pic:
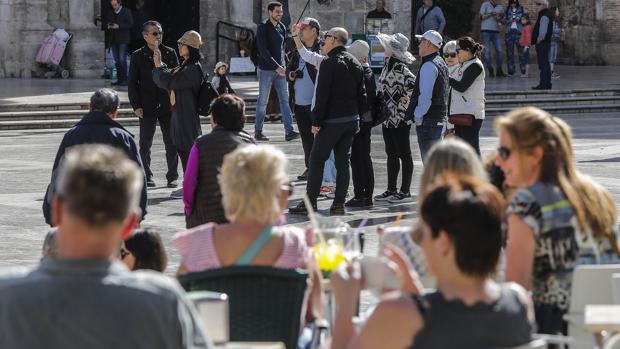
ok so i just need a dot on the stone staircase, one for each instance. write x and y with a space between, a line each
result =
558 102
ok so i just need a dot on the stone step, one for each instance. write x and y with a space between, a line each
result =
495 95
558 110
543 101
127 119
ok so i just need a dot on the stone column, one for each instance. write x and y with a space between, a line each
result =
86 51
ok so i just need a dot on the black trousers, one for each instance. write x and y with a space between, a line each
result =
542 55
184 155
148 124
470 134
361 164
398 150
304 124
337 137
550 320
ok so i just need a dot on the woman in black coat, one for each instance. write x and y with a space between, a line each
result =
183 84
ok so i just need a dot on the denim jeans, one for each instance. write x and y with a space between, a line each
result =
119 51
329 172
428 134
512 41
542 53
553 52
265 79
489 38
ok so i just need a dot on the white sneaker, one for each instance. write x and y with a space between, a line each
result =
400 197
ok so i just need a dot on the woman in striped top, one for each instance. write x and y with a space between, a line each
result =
554 207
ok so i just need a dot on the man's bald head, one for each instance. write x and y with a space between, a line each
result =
340 34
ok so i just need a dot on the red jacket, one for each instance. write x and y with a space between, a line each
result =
526 36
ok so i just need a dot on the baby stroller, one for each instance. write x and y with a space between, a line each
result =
51 52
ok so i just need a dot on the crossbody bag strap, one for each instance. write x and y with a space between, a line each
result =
248 256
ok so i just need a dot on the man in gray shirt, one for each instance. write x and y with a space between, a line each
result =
84 297
491 14
429 17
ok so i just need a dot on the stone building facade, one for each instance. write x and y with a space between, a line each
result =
591 28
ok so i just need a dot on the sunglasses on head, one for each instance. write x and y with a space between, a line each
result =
449 55
504 152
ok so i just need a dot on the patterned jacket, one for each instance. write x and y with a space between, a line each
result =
396 81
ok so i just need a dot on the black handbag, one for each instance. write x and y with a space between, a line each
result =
380 111
461 119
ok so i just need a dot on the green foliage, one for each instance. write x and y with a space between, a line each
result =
459 17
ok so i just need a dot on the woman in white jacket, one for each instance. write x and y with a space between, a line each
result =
467 92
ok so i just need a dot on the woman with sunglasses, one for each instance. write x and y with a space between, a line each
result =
467 84
554 208
183 84
255 190
144 250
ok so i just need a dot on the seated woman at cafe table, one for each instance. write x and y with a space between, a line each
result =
461 223
255 190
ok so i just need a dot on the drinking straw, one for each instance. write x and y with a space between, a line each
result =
356 233
312 217
398 217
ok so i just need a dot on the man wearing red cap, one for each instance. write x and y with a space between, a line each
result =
302 77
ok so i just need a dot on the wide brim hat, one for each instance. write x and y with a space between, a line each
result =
191 38
219 65
398 44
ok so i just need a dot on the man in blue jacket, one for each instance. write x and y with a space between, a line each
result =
97 126
272 70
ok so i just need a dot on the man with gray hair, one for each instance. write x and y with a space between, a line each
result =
97 126
75 299
340 100
541 37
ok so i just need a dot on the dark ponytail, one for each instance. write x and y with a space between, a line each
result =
471 45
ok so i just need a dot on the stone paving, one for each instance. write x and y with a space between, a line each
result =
26 159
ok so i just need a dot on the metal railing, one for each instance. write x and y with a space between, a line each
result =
219 35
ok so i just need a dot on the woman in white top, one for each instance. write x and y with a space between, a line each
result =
467 92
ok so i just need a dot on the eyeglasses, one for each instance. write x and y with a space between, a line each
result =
504 152
327 36
156 34
124 253
449 55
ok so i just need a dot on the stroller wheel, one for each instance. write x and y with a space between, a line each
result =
64 74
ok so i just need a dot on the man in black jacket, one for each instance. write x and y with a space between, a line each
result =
340 99
271 71
96 127
541 37
151 103
119 24
303 77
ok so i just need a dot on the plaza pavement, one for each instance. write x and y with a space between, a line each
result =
26 159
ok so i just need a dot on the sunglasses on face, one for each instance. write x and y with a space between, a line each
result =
327 36
156 34
124 253
449 55
504 152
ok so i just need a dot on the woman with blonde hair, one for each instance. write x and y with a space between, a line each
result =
255 190
554 208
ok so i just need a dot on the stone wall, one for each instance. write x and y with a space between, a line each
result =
25 23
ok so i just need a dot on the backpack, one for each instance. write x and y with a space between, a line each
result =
206 95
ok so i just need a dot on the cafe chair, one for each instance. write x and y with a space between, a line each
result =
592 284
265 304
613 342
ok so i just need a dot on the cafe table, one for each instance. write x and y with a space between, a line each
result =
601 319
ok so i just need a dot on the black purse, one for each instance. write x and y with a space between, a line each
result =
380 111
